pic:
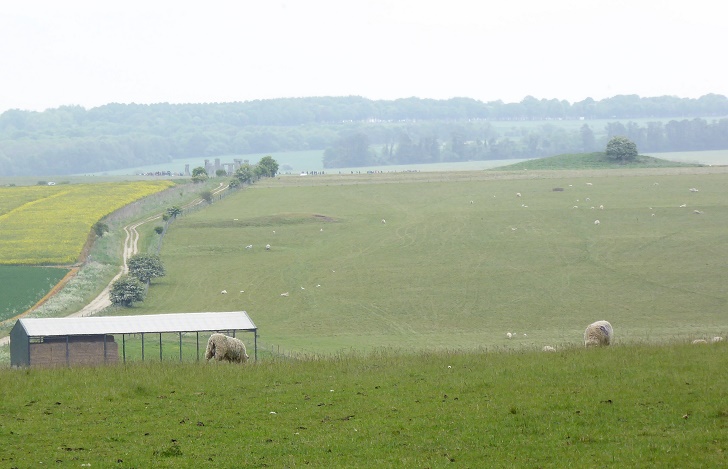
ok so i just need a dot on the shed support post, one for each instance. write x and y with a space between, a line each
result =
180 346
142 346
123 347
197 339
160 346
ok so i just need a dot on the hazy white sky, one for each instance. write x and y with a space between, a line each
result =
93 52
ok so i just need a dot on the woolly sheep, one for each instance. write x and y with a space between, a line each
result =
699 341
716 339
548 348
267 247
222 347
598 333
384 222
596 222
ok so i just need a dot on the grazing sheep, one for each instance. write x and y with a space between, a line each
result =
222 347
223 292
284 294
548 348
518 194
697 212
692 189
598 333
267 247
699 341
384 222
716 339
249 246
509 335
601 207
683 205
596 222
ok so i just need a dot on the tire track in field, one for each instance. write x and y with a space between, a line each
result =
131 247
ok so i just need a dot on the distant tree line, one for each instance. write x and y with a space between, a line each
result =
480 141
354 130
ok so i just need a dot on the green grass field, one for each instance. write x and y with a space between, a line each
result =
445 273
22 286
636 406
397 330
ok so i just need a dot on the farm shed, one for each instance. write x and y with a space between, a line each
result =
94 340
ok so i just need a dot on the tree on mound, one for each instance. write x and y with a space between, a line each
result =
621 149
126 290
145 267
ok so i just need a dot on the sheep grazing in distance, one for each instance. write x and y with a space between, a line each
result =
284 294
717 339
699 341
267 247
683 205
223 292
518 194
384 222
548 348
249 246
598 334
222 347
596 222
692 189
509 335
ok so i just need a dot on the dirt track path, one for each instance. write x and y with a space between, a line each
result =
131 247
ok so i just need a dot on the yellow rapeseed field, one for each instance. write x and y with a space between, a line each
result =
49 224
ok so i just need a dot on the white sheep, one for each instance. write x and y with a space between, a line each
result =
384 222
267 247
692 189
699 341
518 194
716 339
249 246
509 335
548 348
598 333
596 222
222 347
224 292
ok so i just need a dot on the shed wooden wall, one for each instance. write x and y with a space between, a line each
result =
81 351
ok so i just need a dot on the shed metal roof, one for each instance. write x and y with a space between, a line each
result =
148 323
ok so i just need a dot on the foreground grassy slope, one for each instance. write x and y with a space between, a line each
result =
443 272
636 406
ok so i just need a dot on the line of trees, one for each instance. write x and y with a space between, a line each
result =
480 141
72 139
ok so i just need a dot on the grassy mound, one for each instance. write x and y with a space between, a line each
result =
596 160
